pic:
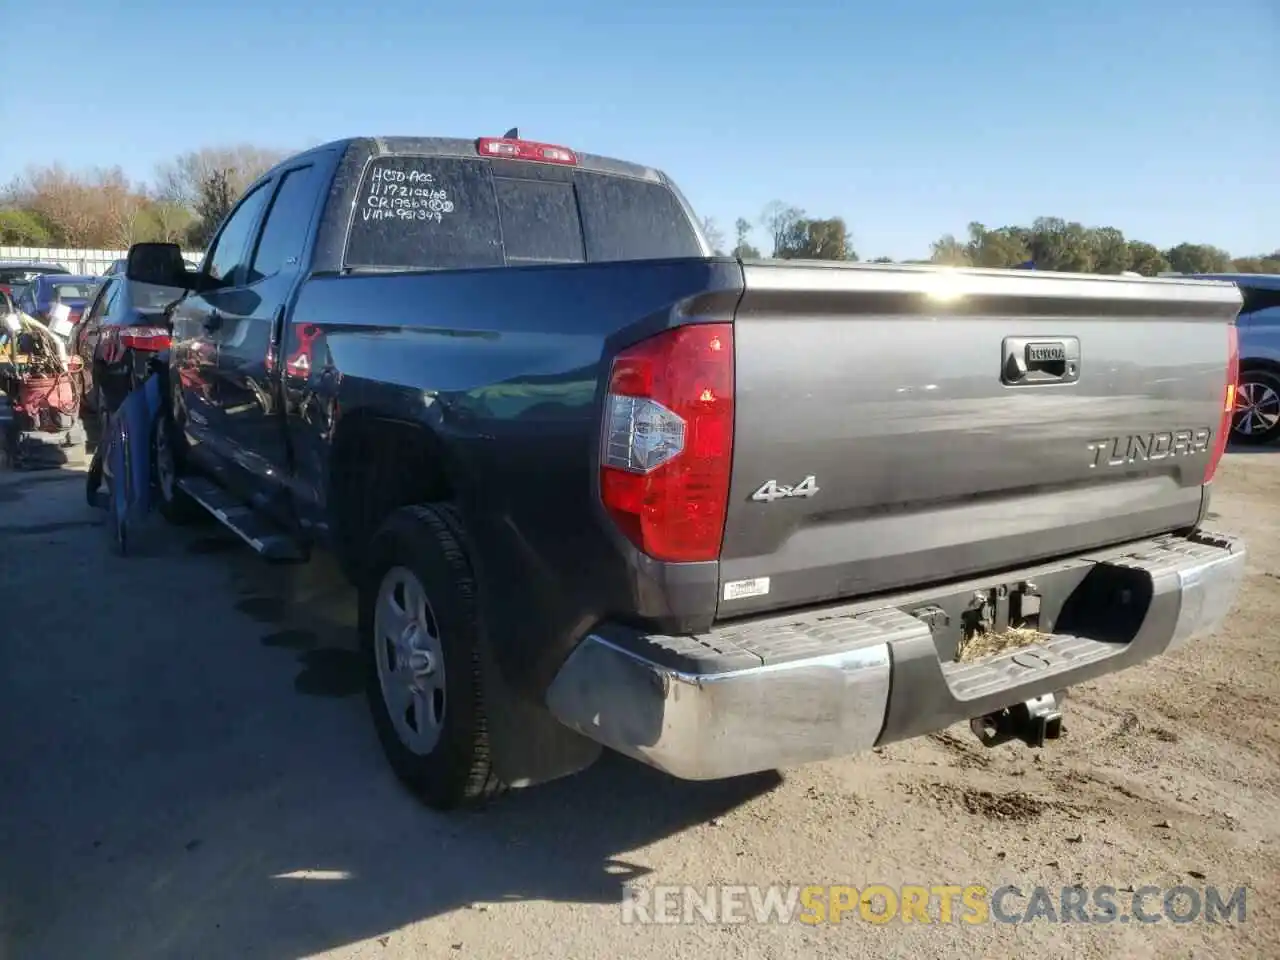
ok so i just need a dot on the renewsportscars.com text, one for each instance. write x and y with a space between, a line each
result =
938 903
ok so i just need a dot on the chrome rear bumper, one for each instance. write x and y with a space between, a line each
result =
802 687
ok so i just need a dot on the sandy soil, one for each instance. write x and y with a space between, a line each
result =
192 792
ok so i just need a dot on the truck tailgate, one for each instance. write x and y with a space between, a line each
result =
898 426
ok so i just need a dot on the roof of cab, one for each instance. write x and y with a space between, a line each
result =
458 147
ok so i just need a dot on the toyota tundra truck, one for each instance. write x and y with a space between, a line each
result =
598 487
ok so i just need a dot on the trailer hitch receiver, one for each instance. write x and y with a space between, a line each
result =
1033 722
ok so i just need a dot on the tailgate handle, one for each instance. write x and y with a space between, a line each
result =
1027 361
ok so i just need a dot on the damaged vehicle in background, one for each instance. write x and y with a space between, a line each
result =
16 274
58 300
598 487
122 331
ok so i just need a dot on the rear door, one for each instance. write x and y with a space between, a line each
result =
900 426
201 322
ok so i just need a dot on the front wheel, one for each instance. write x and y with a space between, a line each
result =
1257 413
420 636
170 500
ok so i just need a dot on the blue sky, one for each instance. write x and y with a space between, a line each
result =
909 119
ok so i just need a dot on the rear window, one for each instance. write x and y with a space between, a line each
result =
70 291
150 296
455 213
20 274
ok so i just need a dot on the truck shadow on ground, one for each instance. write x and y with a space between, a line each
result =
194 805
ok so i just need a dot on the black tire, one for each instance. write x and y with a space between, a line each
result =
93 419
93 481
426 541
88 409
1261 387
169 500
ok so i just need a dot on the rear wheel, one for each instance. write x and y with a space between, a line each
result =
1257 414
420 637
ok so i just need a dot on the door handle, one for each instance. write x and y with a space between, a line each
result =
213 321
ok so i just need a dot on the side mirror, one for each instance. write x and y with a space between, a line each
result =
160 264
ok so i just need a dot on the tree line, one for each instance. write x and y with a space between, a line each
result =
190 194
1050 243
103 209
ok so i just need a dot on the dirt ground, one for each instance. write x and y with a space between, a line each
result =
188 771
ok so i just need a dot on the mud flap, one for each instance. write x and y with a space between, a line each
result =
527 744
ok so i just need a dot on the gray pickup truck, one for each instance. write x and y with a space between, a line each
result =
598 487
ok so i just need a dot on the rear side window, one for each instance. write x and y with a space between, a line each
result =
451 213
288 221
99 306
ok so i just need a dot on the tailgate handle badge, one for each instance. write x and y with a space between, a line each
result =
1028 361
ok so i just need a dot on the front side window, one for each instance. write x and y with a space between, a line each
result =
226 259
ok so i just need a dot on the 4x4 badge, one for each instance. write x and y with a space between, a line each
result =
772 490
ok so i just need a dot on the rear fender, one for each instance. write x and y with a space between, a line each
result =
528 744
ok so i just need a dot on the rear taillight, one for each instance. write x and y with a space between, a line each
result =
667 445
115 340
149 339
1227 413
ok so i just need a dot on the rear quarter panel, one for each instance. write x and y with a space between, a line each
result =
505 368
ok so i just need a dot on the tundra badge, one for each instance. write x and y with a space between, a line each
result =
1138 448
772 490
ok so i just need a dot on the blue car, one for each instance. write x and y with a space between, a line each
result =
1257 413
40 296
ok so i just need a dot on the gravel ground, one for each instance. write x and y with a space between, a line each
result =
188 771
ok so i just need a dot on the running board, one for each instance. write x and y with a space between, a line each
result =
265 537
